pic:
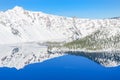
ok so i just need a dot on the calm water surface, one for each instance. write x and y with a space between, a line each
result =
68 67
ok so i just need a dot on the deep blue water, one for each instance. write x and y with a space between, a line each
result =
67 67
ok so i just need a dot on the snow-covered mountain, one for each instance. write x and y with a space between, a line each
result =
18 25
104 39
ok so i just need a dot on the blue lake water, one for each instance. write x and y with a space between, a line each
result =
68 67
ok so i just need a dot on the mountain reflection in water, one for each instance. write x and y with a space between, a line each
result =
38 64
106 59
20 55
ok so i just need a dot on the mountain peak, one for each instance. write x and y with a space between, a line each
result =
18 8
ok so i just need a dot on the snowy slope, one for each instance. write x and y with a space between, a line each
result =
18 25
104 39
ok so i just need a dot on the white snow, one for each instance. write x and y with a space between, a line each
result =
19 25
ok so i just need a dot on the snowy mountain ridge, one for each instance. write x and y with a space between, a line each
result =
18 25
